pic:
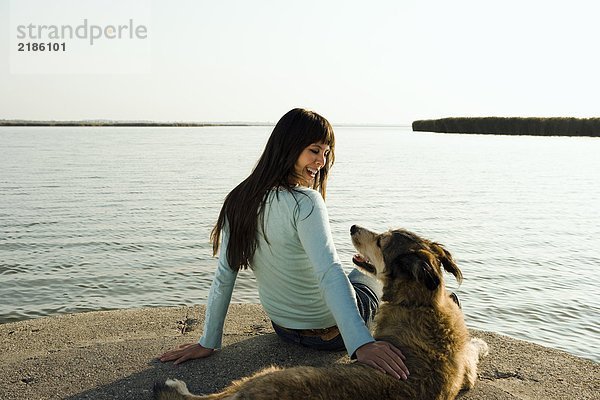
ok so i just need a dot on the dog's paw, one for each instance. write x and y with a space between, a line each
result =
481 346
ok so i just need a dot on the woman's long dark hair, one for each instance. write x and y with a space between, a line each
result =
295 131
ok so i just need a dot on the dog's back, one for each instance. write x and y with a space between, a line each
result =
434 342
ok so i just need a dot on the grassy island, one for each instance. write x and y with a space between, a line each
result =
512 126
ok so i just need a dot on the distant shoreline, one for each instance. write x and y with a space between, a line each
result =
127 123
103 123
589 127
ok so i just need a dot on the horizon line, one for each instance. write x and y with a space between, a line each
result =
150 123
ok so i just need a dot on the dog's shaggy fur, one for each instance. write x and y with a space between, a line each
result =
417 315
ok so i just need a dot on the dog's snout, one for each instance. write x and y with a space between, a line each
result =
354 229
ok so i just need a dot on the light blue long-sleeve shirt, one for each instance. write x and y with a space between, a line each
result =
300 279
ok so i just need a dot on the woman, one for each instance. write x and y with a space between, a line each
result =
276 223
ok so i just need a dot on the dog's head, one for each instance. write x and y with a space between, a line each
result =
401 257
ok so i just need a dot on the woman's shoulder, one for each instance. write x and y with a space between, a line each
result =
301 193
308 191
294 190
299 197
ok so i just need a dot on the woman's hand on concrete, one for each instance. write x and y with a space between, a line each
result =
384 357
185 352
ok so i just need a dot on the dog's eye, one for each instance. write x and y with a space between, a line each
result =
379 242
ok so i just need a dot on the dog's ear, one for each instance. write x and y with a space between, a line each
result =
418 265
447 261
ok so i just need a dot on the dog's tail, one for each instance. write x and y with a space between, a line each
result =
174 389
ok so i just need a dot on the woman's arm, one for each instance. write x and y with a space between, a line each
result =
315 234
219 298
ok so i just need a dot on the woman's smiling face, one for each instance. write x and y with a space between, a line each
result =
310 161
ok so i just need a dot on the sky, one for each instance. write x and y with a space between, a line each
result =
376 62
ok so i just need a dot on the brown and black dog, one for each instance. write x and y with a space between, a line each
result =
416 315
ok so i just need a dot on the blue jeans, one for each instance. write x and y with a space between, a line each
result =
368 292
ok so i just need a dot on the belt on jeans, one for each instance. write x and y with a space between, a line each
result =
325 333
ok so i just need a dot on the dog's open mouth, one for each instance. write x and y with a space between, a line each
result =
364 263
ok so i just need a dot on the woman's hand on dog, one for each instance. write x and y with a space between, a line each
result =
185 352
384 357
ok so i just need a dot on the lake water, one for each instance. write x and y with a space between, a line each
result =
108 218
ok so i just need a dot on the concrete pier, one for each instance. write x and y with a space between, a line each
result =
112 355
